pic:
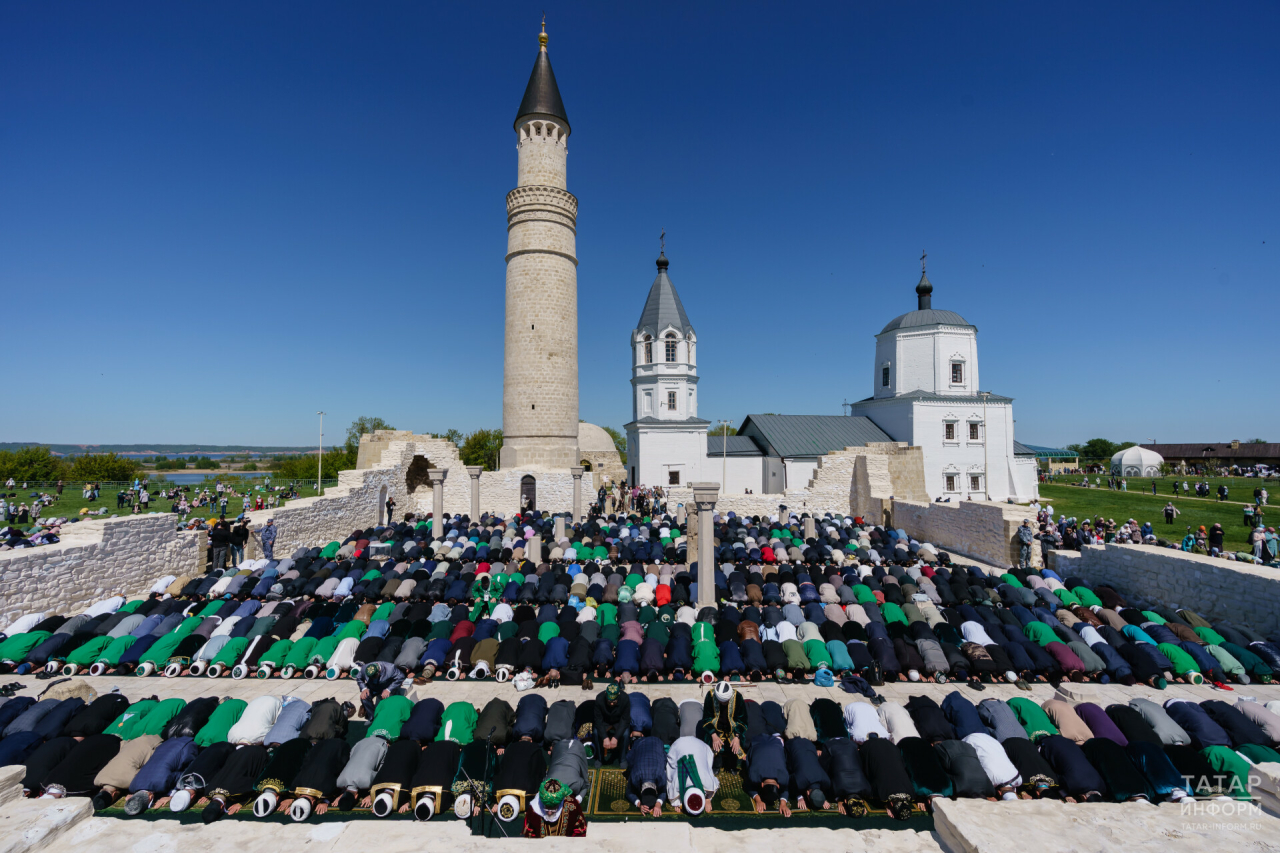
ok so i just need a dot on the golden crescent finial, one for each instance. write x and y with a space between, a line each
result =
542 36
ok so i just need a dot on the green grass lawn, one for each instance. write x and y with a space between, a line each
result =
1121 506
1238 488
72 501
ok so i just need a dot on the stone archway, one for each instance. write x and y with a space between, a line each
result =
528 493
586 465
416 476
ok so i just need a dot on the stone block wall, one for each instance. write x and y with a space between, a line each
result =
373 443
982 530
355 502
1236 593
95 560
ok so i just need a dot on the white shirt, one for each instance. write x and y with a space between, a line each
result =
995 761
25 624
256 721
897 719
863 721
702 758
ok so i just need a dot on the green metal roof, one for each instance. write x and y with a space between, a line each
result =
810 435
1046 452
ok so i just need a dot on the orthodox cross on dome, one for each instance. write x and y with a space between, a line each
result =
662 240
923 255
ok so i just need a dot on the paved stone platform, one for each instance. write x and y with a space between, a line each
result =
480 692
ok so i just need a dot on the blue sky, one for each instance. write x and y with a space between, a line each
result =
219 218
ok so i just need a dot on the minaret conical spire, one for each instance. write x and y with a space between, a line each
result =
542 95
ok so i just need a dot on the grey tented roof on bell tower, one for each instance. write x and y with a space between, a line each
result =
663 308
542 95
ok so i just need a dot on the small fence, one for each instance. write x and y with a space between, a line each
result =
160 478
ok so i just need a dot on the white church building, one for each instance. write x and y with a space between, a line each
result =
925 380
925 395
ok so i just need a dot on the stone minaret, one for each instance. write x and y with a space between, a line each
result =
540 367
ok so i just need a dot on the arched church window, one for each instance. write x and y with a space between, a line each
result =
671 346
648 349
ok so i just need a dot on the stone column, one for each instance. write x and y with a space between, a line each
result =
704 496
559 528
576 471
437 476
474 471
680 516
810 528
533 550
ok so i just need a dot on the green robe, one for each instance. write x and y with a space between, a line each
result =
111 654
1226 761
706 657
232 651
220 722
389 717
816 650
300 653
162 649
156 718
17 647
276 654
1040 633
1182 662
323 650
1033 718
458 723
86 654
1067 597
1210 636
1087 597
128 716
1256 666
893 613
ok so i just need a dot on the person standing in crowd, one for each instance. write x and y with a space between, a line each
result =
1025 537
1170 512
391 508
1222 492
219 542
239 536
269 539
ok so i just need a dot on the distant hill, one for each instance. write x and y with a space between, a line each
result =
156 449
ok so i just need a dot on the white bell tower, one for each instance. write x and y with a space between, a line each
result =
666 441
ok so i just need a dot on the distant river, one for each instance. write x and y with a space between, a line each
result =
192 479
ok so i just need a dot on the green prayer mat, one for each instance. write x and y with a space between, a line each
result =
731 808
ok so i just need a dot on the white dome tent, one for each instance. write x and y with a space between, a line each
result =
1137 462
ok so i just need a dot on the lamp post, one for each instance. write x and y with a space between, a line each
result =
724 455
986 488
320 455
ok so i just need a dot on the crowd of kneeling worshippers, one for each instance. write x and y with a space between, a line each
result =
862 620
529 765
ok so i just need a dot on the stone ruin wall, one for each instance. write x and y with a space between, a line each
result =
358 501
1239 594
96 560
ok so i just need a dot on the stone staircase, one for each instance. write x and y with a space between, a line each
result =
32 824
